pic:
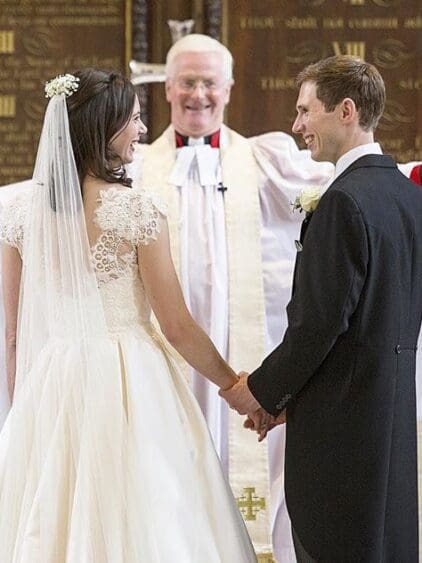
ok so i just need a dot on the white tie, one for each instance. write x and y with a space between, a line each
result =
207 159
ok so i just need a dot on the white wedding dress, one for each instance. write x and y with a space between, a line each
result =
136 479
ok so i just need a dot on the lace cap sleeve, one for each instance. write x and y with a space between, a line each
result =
12 220
132 214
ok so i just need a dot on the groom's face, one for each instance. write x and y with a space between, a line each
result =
321 130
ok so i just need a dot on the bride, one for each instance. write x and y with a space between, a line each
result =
105 456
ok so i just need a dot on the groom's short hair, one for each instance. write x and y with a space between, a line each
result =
344 76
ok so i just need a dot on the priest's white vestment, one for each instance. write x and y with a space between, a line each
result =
233 232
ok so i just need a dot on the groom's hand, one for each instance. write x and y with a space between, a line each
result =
271 422
239 397
261 422
264 424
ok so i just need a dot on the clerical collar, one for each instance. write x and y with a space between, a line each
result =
213 140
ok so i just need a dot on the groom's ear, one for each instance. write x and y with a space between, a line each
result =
348 110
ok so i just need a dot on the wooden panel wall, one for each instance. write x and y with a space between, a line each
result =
39 40
272 40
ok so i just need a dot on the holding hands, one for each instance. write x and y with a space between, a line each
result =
240 398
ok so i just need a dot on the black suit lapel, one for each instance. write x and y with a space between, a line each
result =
299 246
366 161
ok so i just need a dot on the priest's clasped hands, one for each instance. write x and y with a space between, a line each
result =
241 399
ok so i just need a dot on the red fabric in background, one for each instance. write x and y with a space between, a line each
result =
213 140
416 174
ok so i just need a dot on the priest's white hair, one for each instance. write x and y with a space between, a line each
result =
199 43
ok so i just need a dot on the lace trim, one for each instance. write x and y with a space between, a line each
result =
125 304
111 261
12 220
133 215
127 218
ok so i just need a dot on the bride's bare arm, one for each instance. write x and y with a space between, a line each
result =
166 298
11 277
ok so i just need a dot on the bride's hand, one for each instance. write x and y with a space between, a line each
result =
231 381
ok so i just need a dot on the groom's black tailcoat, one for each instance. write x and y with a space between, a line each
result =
346 370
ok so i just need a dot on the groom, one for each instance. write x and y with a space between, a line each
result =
344 375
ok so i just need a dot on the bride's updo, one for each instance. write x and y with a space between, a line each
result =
101 106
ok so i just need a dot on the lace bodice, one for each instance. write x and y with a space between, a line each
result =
125 219
122 220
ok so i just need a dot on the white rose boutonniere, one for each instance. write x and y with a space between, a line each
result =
308 200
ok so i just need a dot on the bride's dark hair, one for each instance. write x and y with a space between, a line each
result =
100 108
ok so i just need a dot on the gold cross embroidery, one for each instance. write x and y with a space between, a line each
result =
265 558
250 504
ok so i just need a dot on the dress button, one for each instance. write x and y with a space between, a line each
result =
398 349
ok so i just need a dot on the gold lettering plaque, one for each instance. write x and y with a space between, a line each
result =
39 40
7 42
7 106
273 41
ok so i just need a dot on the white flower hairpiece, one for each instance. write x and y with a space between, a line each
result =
63 84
